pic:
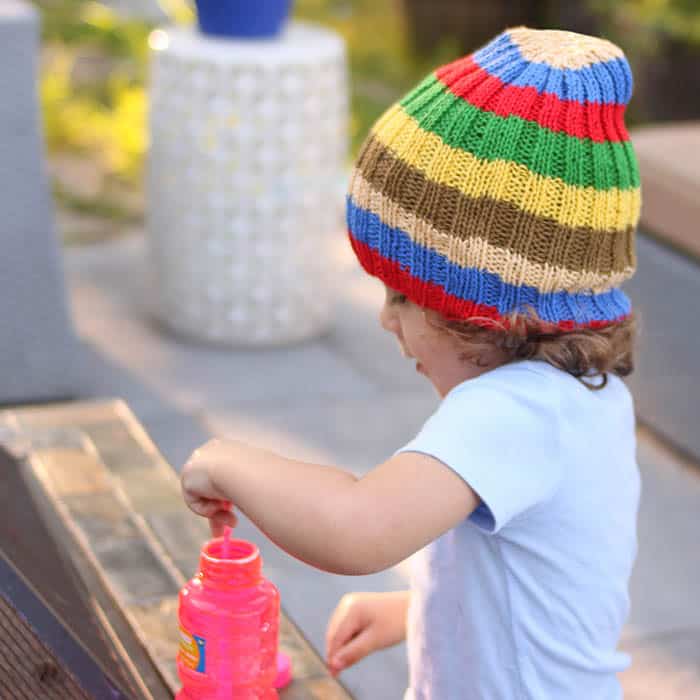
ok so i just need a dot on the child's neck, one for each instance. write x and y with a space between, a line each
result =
469 367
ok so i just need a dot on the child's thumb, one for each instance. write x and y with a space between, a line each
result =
352 652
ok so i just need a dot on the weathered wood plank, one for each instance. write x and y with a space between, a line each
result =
122 501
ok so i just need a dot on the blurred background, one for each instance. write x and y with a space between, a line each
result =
95 66
342 397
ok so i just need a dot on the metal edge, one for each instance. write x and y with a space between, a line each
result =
56 635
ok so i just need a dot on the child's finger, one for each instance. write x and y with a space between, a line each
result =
357 648
202 507
206 507
343 626
220 520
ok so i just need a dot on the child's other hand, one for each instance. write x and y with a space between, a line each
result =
198 489
363 623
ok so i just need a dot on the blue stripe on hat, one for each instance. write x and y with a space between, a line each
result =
608 82
481 286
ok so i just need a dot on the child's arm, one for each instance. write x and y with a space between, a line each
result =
325 516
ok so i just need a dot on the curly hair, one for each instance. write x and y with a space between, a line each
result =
584 353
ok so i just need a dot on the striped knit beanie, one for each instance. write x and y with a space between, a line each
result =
506 182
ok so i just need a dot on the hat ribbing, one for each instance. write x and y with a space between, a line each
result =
506 181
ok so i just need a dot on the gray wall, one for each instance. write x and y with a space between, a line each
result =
666 384
38 350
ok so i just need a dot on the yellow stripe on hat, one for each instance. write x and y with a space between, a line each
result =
548 197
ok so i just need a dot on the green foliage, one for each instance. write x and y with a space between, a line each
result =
92 84
382 65
106 121
82 24
642 22
95 67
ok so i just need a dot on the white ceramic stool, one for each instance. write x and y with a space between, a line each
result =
245 184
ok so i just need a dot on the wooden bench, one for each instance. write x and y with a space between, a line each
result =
106 491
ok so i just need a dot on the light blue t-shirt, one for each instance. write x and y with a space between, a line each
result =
526 599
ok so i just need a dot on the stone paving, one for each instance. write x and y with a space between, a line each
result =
350 399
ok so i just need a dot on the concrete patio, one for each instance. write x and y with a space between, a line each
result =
350 399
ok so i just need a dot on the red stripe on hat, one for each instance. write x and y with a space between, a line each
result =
469 81
432 296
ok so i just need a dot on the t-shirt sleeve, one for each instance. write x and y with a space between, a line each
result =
504 444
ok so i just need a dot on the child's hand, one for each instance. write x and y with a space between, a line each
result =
200 493
363 623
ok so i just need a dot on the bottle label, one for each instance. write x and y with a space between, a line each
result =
192 651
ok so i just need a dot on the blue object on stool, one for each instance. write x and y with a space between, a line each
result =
242 18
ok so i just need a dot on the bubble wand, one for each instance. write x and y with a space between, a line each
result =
226 545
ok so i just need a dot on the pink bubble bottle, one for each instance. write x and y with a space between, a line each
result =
229 626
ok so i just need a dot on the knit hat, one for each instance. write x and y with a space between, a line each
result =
506 181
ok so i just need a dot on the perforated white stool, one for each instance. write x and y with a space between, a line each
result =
245 184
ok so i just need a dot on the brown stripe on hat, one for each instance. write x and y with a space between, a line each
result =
537 239
478 253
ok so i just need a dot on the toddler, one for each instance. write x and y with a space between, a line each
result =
497 202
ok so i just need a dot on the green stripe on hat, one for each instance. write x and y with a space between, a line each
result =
461 125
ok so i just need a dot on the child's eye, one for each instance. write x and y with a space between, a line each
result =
398 299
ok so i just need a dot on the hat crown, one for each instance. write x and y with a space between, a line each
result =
563 49
570 65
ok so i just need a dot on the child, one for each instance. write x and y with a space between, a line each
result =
498 203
